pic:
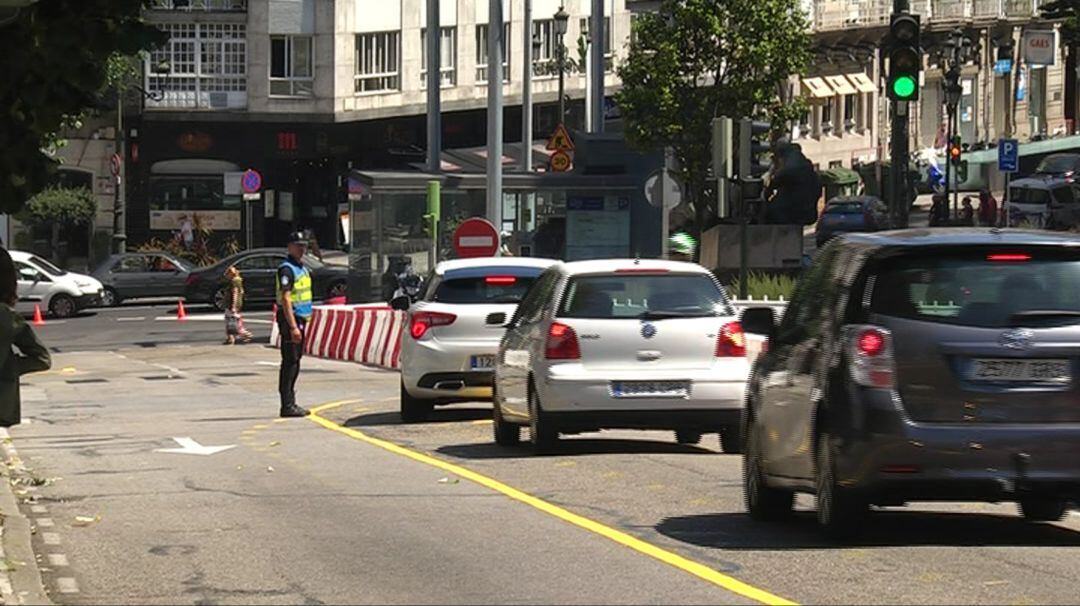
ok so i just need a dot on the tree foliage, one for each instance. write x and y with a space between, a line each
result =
56 60
61 206
1068 12
694 60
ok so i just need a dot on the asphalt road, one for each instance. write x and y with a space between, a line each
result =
298 512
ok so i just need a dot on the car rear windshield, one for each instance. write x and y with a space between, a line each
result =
988 288
1028 195
1056 165
490 286
845 208
644 296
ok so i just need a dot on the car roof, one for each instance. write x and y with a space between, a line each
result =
479 262
607 266
962 237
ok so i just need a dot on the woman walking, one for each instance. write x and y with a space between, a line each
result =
20 351
234 320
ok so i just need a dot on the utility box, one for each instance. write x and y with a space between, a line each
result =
771 247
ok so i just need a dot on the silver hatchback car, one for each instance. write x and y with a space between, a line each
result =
622 344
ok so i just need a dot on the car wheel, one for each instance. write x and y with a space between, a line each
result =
62 306
414 410
221 298
685 436
506 433
1036 509
731 440
110 298
839 511
337 290
763 502
542 433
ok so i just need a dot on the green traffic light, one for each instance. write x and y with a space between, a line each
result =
903 87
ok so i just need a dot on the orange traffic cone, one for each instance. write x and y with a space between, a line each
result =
38 320
180 313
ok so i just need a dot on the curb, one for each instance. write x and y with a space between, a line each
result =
21 584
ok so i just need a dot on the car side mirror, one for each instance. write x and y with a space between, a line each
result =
759 321
400 303
496 320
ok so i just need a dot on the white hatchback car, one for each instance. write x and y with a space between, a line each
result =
622 344
58 292
453 332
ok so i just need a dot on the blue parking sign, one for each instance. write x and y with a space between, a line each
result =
1008 155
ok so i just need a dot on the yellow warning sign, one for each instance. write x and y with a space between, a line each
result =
560 161
560 140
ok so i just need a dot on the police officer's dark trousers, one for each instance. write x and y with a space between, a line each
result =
291 352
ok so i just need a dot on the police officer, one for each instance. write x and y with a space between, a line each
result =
294 311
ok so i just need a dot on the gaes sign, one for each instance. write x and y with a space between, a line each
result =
1040 47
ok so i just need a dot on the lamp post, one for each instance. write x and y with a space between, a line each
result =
562 19
119 204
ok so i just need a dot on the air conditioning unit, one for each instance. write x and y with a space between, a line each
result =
219 100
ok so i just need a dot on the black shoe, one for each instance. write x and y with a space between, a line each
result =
294 411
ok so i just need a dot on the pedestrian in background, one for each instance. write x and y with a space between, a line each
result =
988 212
967 212
294 301
234 306
20 350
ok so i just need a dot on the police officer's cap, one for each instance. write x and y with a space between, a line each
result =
298 237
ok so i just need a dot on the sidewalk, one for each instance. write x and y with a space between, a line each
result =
20 577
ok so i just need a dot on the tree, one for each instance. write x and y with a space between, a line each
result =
693 60
55 57
58 208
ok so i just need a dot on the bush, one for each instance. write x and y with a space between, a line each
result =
765 286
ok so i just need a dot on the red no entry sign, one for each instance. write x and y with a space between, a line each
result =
476 237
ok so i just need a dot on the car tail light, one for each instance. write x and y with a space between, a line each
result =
562 343
731 342
870 355
1008 257
422 321
501 280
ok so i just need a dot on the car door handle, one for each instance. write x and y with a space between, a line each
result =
649 355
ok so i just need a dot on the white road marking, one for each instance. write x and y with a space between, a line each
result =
67 585
45 522
57 560
50 538
138 319
189 446
39 509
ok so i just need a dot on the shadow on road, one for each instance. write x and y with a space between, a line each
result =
572 447
890 528
444 415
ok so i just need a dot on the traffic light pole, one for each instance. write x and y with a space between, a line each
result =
899 160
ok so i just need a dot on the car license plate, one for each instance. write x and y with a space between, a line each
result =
650 389
1022 371
482 362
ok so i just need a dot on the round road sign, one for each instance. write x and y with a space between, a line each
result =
476 237
560 161
251 181
114 165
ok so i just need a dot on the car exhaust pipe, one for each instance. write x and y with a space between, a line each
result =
450 385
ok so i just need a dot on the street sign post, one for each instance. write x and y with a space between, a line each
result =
1008 163
560 162
251 183
476 237
114 165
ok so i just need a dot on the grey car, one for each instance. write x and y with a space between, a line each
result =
142 275
921 365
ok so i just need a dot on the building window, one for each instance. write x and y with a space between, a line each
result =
199 5
378 62
544 45
203 66
447 56
482 53
827 117
609 50
292 69
851 112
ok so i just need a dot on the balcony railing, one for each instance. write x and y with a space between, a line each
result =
199 5
828 15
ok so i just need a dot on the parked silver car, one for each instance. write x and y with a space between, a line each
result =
621 344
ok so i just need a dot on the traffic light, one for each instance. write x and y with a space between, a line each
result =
955 150
431 219
905 57
753 143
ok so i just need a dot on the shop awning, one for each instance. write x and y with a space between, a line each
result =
841 85
817 87
862 82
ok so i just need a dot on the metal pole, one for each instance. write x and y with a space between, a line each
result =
495 114
948 158
744 247
899 156
596 59
526 91
434 89
956 190
562 80
119 228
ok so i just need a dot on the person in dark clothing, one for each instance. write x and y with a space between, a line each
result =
967 213
294 300
21 352
796 186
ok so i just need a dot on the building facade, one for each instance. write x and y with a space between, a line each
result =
305 90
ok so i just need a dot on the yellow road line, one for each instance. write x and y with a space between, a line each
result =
697 569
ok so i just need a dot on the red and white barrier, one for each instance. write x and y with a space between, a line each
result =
367 334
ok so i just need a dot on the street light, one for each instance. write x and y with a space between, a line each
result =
562 19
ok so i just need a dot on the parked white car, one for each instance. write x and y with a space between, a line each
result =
453 331
58 292
622 344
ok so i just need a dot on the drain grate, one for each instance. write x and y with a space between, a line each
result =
162 378
85 381
231 375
